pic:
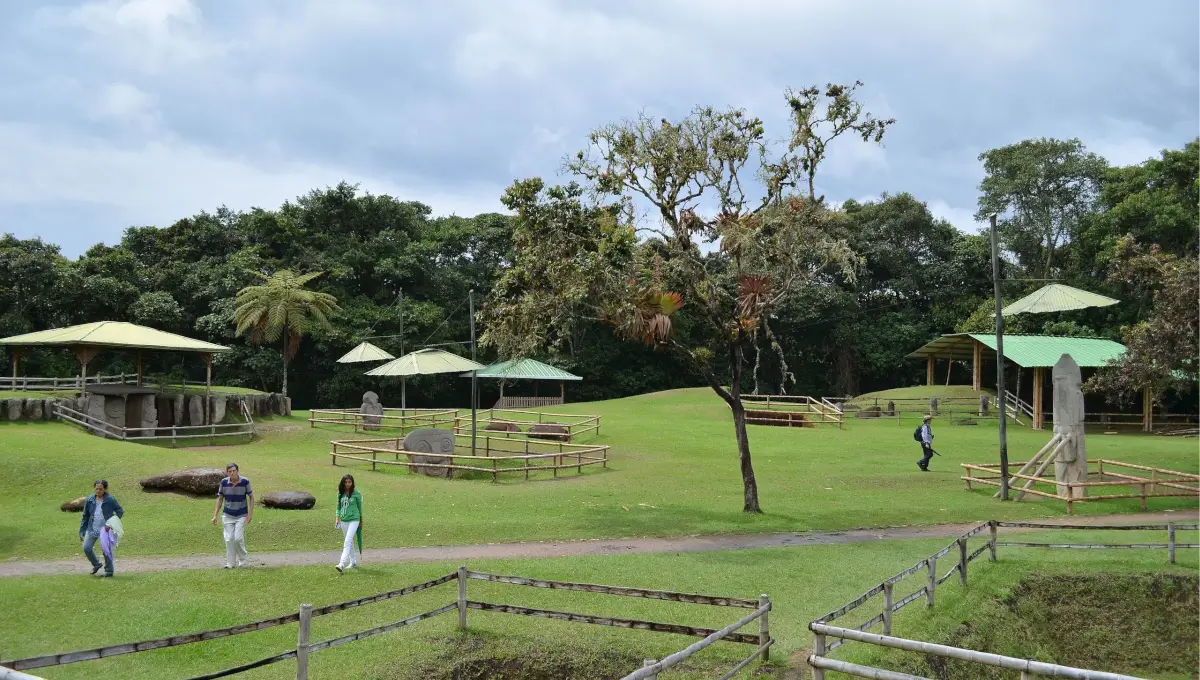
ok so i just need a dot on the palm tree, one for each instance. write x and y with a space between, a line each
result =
282 307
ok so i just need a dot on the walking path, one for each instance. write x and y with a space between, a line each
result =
543 549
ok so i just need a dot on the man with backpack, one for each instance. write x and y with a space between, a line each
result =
924 435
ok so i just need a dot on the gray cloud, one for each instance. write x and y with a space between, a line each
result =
120 112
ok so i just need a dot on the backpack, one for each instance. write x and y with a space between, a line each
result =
917 434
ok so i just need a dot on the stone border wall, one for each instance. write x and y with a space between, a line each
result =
167 410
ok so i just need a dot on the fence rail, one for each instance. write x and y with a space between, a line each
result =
821 630
391 419
35 384
171 433
304 647
791 410
497 460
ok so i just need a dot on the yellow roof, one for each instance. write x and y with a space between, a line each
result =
118 334
364 352
426 362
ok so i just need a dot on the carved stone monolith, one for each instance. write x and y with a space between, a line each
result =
1070 466
371 411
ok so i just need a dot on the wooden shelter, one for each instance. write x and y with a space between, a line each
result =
89 339
527 369
1037 352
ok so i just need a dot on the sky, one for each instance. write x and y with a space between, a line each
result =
116 113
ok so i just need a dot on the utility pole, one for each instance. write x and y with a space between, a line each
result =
474 379
403 379
1000 400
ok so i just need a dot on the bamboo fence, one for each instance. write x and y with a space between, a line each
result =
501 455
927 572
171 433
1177 484
761 640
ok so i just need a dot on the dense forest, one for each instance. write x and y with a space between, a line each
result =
1065 215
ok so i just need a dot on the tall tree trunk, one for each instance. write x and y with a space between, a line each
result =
285 363
733 397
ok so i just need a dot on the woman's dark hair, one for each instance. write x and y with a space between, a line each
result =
101 482
342 486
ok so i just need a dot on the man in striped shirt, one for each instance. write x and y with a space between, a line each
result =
236 495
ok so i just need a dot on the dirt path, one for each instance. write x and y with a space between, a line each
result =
544 549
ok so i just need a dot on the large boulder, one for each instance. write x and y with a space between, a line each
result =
424 444
217 408
198 481
289 500
177 409
14 409
501 426
74 506
196 410
549 431
869 412
371 410
34 409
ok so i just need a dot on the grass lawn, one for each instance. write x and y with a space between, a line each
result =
38 394
673 472
803 583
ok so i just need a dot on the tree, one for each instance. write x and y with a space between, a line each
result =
665 291
283 307
1041 190
1160 351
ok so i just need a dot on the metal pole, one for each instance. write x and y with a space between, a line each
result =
474 378
403 396
1000 364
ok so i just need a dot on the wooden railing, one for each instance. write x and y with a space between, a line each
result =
576 425
927 571
791 410
527 402
403 420
761 640
500 455
35 384
171 433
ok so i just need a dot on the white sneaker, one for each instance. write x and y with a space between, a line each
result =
229 566
243 563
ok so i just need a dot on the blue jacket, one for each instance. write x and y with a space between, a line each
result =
109 506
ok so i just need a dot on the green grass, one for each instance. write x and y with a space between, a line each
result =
39 394
673 472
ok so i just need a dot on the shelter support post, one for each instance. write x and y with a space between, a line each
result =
139 364
562 392
207 383
1147 410
85 355
976 365
929 361
16 352
1039 382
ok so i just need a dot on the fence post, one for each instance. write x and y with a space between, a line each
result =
992 541
932 584
1171 542
818 651
764 627
462 597
646 663
962 561
302 642
887 607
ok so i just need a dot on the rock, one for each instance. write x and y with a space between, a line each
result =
371 410
287 406
14 409
289 500
74 506
114 410
983 404
217 409
48 406
869 412
196 410
177 410
199 481
549 431
501 426
33 409
427 441
891 409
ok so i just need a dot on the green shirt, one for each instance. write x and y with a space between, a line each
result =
349 508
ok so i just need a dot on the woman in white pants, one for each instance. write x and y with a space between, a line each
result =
349 520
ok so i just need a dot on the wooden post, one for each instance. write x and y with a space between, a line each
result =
1039 379
646 663
207 383
16 352
949 366
1171 542
932 584
962 561
764 628
992 541
819 651
85 355
302 642
462 597
1147 411
929 370
887 607
976 366
139 365
562 392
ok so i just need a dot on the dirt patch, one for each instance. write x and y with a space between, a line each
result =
488 657
206 448
1141 624
271 427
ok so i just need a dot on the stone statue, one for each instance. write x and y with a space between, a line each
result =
891 409
430 440
983 404
1071 463
371 411
933 405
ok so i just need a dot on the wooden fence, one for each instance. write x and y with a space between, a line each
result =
527 402
927 571
34 384
501 455
791 410
576 425
761 640
171 433
1177 484
403 420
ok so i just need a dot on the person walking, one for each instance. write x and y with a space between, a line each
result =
349 520
236 495
925 436
97 510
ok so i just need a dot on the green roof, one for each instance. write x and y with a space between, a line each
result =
116 334
364 352
1027 351
426 362
1057 298
524 369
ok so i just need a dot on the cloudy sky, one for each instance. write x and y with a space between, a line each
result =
132 112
